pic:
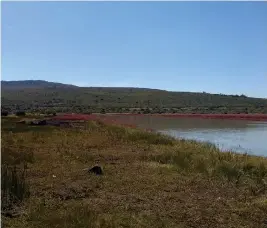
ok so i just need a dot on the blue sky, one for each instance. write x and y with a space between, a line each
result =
217 47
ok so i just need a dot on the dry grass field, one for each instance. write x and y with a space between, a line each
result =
149 180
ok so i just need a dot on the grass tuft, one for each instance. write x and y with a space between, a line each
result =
150 138
14 189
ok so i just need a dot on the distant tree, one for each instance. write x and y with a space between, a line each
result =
103 111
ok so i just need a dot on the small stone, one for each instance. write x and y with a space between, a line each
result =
38 122
22 122
96 170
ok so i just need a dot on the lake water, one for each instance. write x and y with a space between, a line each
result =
235 135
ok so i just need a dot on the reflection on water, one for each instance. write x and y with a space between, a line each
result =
235 135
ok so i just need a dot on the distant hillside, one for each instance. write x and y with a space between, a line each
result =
32 84
49 96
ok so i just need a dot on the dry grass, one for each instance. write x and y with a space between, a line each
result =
149 180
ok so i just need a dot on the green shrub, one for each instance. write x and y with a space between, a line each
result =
179 159
230 170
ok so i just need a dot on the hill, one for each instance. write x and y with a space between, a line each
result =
43 96
32 84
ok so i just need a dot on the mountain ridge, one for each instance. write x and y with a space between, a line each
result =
33 84
39 83
43 95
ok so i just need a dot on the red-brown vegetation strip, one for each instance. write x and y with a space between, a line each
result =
114 119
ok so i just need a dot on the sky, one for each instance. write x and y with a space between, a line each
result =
216 47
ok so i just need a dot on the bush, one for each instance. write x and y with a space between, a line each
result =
151 138
4 113
177 158
146 111
20 113
229 170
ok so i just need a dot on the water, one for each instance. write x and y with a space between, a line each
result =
229 135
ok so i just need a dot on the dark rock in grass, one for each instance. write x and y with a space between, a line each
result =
42 122
38 122
53 122
96 170
21 122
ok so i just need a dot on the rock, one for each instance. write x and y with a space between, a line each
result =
21 122
53 123
96 170
38 122
42 122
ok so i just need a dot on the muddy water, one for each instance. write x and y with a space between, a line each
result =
235 135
